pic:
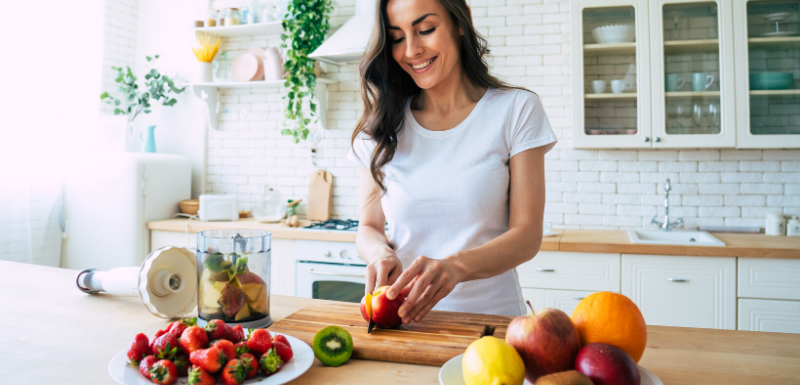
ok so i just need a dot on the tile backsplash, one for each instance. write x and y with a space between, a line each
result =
529 40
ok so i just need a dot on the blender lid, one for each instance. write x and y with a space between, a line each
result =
168 282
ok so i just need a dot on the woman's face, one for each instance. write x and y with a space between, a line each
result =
424 40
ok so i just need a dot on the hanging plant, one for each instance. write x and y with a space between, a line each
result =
304 29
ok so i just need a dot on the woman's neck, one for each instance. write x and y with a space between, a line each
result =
451 94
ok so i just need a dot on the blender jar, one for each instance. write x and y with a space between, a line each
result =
233 267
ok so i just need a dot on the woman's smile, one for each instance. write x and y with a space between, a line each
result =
421 66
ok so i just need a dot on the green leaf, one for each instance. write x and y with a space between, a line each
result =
103 95
117 111
148 58
157 56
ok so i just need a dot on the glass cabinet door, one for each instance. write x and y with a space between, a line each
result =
610 93
692 81
770 68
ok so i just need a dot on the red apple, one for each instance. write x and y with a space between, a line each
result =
383 309
606 364
547 342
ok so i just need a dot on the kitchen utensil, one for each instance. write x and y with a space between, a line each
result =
598 86
259 54
268 207
319 196
777 17
700 118
684 114
189 206
714 114
166 282
617 33
244 67
301 361
674 82
206 69
273 65
771 80
234 276
631 131
148 141
218 208
451 374
701 81
775 224
439 337
619 86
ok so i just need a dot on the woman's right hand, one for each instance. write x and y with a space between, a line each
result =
383 270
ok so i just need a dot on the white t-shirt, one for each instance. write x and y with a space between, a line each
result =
448 191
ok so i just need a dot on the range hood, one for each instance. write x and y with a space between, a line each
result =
348 44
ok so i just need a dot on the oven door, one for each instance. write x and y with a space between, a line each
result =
335 282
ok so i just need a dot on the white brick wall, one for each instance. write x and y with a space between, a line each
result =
610 189
119 43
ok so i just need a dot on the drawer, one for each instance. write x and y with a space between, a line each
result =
769 278
763 315
564 300
682 291
571 271
535 296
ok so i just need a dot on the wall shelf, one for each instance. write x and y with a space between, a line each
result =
258 83
691 46
692 94
786 42
624 95
268 28
609 49
775 92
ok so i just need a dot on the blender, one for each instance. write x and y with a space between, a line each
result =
233 267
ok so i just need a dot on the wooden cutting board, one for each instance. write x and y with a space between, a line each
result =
319 196
436 339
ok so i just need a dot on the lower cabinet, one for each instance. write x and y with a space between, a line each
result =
682 291
764 315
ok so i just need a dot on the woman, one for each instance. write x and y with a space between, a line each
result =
452 158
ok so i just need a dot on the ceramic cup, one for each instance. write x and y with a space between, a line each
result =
674 82
599 86
619 86
701 81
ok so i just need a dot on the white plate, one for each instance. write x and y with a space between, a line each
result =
450 374
778 34
299 364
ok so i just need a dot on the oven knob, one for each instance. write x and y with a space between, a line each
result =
343 254
327 254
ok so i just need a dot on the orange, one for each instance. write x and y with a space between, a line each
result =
613 319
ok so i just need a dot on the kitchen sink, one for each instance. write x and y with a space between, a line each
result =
688 238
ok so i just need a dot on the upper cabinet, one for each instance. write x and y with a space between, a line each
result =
768 73
675 74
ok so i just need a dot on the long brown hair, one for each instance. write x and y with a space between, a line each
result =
385 87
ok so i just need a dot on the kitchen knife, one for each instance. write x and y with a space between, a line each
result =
370 326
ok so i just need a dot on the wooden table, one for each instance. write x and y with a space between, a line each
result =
54 334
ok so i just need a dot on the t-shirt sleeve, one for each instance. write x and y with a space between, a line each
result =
361 151
531 128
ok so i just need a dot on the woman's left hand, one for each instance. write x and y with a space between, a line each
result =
424 283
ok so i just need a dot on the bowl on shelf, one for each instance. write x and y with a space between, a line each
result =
189 206
771 80
603 131
616 33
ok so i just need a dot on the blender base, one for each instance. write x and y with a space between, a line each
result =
257 324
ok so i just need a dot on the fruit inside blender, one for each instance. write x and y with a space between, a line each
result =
230 291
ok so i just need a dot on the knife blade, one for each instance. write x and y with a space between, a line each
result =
370 326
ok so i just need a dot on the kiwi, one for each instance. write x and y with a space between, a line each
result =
332 345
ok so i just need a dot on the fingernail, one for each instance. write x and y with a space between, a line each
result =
402 313
416 319
390 294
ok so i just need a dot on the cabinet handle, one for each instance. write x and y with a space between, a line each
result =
658 139
578 298
545 270
327 254
312 271
646 138
677 280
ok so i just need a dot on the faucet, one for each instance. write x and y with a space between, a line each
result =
666 225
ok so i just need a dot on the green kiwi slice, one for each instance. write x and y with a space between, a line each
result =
332 345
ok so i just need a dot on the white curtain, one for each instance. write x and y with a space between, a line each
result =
29 221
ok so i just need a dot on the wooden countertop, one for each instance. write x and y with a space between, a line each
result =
597 241
74 335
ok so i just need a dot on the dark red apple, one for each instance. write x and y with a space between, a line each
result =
383 309
547 342
606 364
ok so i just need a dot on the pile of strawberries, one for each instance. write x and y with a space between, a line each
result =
217 351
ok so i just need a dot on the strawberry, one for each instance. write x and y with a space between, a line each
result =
226 347
218 329
238 334
163 373
179 326
211 359
234 373
250 364
283 350
182 364
193 338
165 346
281 338
270 362
140 347
146 364
260 342
241 348
198 376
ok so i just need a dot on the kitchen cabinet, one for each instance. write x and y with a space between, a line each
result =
682 291
767 45
564 300
536 298
769 278
571 271
769 315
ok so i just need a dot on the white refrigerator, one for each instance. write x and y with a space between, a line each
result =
108 202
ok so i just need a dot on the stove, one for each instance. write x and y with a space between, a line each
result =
335 224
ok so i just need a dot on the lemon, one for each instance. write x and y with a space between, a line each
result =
492 361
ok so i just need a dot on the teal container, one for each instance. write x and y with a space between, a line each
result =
771 81
148 139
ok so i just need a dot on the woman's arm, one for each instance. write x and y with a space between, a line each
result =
435 279
383 266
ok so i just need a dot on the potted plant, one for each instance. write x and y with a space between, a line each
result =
133 100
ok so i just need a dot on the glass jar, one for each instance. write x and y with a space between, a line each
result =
222 68
254 13
268 13
232 16
233 276
211 18
267 207
221 18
